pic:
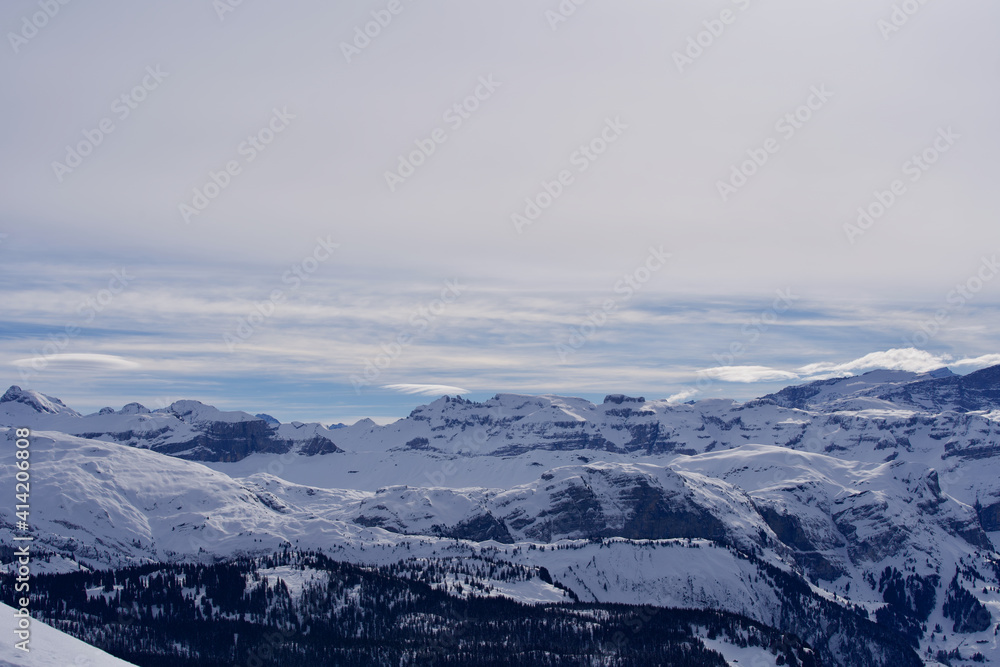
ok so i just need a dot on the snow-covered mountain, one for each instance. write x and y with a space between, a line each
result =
874 497
119 505
934 392
185 429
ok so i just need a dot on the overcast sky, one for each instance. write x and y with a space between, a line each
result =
262 207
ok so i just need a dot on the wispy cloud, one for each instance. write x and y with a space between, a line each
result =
164 335
976 363
682 396
426 389
747 374
899 359
896 359
81 361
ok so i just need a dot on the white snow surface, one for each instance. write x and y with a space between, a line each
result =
49 647
740 656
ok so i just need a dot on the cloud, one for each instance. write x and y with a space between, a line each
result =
899 359
747 374
976 363
426 389
78 361
896 359
682 396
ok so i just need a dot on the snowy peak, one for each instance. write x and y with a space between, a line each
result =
185 429
37 402
196 412
836 392
937 391
868 415
979 390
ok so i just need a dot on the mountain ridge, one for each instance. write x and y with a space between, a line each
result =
875 494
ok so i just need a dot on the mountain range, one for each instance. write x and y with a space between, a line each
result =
857 515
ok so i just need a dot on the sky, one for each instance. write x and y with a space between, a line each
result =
328 211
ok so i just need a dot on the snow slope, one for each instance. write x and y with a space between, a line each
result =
49 647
